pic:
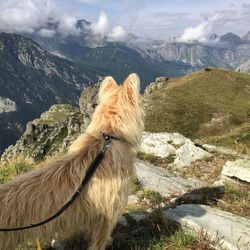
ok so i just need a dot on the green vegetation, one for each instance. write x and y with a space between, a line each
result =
236 199
237 139
200 105
16 167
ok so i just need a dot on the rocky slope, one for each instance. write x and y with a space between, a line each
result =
53 132
31 80
245 67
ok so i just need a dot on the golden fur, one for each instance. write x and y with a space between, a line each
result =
37 195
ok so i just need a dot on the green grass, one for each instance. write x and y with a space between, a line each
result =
16 167
236 199
202 104
237 139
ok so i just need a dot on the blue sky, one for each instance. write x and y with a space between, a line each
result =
155 19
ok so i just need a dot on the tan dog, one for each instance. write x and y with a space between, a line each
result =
37 195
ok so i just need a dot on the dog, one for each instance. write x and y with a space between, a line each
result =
38 194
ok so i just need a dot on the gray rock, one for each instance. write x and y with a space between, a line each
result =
7 105
239 169
161 144
159 180
138 216
133 199
221 150
123 221
88 101
233 231
189 153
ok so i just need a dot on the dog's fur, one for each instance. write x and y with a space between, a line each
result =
37 195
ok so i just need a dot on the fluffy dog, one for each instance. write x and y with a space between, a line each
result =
37 195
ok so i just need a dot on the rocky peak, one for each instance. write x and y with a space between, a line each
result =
55 130
246 37
159 82
6 105
231 39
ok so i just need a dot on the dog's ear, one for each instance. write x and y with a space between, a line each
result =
107 85
132 87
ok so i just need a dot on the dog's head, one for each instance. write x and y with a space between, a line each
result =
119 111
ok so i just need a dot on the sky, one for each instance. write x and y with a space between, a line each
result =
185 19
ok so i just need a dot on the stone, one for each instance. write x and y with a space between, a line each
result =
232 230
138 216
239 169
160 180
221 150
123 221
133 199
161 144
189 153
7 105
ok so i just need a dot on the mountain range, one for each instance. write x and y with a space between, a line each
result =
37 71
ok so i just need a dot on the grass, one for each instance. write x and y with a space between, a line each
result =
237 139
156 233
16 167
236 199
201 104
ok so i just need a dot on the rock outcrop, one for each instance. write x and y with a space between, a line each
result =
182 149
6 105
50 134
239 169
55 130
160 180
232 231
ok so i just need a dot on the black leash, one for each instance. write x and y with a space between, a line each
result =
91 170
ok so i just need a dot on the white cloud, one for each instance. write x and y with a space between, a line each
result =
46 33
103 29
101 26
117 34
30 15
220 21
67 26
202 31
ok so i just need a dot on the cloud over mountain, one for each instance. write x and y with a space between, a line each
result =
214 22
28 16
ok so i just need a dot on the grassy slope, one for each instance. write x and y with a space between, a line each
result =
202 104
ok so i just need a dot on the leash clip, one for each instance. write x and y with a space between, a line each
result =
108 140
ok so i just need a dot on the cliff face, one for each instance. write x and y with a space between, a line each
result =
55 130
32 80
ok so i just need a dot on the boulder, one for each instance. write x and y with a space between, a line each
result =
160 180
239 169
233 231
189 153
161 144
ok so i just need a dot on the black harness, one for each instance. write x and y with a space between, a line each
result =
90 171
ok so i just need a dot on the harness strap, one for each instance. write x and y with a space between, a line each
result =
90 171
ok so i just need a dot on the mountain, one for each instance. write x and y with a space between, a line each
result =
111 58
246 37
207 103
228 51
245 67
155 57
231 39
31 80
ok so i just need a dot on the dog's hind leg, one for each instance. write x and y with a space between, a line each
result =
100 236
